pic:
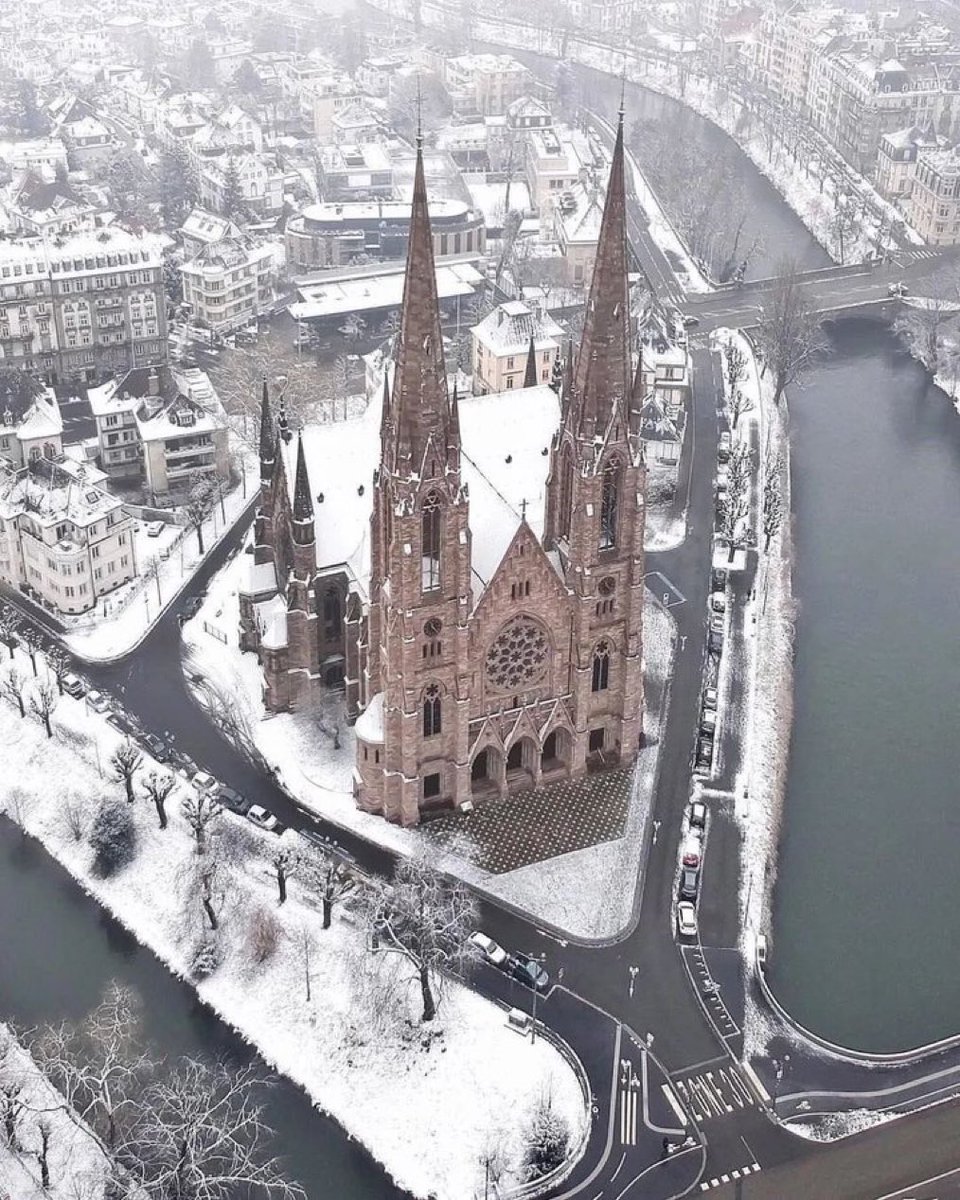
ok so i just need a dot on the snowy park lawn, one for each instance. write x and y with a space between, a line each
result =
122 619
587 893
78 1167
392 1084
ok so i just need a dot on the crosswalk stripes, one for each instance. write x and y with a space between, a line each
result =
629 1104
713 1094
731 1176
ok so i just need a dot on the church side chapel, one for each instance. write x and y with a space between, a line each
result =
467 570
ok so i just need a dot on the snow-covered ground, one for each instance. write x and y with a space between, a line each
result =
833 1126
665 529
124 618
78 1167
300 745
392 1086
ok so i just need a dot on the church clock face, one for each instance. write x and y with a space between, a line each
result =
518 655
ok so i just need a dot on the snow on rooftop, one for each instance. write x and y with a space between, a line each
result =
369 726
337 297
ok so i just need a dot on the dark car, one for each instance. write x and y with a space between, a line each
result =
121 723
191 607
704 752
229 798
691 322
689 883
529 972
157 747
698 815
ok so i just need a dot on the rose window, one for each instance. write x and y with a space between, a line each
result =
518 655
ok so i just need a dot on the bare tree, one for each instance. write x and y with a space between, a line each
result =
199 505
125 761
424 919
43 701
306 944
201 1135
157 786
924 322
59 663
74 817
736 365
45 1133
329 880
10 626
202 813
13 685
150 572
789 333
263 935
773 502
733 511
286 862
96 1065
30 640
738 403
740 470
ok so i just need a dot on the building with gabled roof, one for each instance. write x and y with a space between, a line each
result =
469 570
31 426
37 207
516 345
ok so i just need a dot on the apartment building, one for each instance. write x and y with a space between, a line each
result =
933 207
897 160
485 85
502 348
555 160
356 171
228 284
63 539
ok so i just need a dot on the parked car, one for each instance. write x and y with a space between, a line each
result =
710 698
698 815
97 701
723 447
691 322
718 602
121 723
157 747
73 685
708 722
692 849
529 972
704 759
191 606
491 950
155 528
262 818
686 919
897 289
689 883
717 629
231 799
204 782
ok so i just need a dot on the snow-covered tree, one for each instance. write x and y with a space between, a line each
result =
60 666
738 403
125 761
735 365
31 642
327 878
789 334
43 701
773 501
546 1139
202 813
157 786
424 920
740 470
10 626
113 838
286 862
13 686
199 505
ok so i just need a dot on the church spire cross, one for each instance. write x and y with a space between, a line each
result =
602 377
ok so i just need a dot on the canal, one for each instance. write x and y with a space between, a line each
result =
865 950
59 950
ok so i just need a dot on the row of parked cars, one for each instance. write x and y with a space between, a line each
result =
170 756
691 863
522 967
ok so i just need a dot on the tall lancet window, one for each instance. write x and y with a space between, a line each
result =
566 494
430 534
610 505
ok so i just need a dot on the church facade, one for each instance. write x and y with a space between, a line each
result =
468 570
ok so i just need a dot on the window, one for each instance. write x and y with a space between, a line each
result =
432 647
595 741
431 786
432 711
430 529
601 667
609 505
331 614
566 494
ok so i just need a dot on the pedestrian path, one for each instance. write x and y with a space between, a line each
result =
709 991
715 1094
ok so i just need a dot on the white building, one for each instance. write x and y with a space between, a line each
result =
229 283
502 348
30 425
261 184
162 423
485 85
62 538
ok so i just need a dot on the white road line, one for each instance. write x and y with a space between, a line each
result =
754 1079
673 1102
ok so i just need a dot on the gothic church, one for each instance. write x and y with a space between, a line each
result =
468 570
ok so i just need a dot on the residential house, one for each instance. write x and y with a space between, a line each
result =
261 183
483 85
31 426
36 208
514 346
897 160
203 228
576 227
933 206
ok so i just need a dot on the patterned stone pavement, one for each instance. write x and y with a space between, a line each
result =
530 826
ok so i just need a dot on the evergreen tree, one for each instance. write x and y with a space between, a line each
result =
199 66
233 202
246 81
32 120
179 189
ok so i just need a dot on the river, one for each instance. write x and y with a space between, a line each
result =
865 952
59 949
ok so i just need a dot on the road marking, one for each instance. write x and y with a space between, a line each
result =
674 1103
712 1095
672 596
755 1080
740 1173
628 1116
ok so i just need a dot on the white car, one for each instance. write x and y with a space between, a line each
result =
155 528
204 782
493 953
686 919
261 817
98 701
